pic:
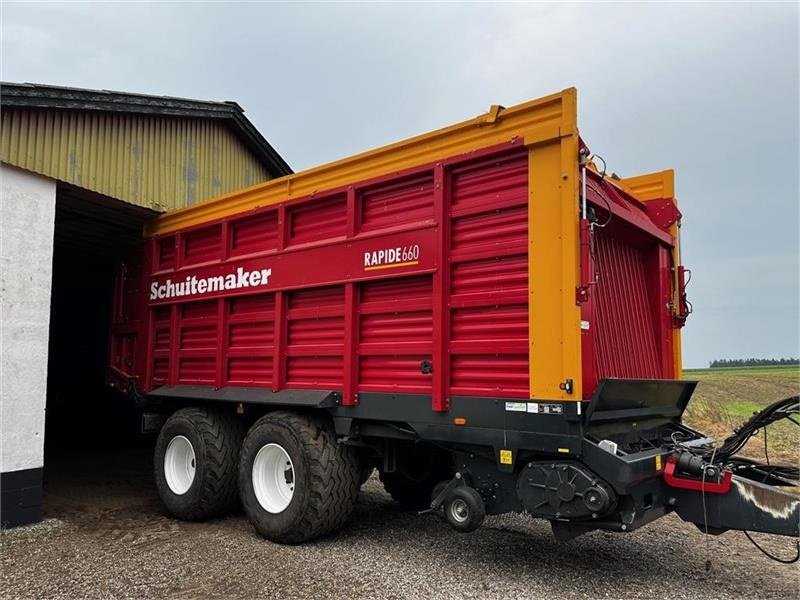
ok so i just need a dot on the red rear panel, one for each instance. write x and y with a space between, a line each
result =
625 329
627 315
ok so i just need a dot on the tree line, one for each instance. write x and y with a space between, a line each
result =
723 363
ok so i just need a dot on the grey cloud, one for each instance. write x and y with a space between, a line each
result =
709 89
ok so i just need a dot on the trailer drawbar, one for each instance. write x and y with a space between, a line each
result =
479 313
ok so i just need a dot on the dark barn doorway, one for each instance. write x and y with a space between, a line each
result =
86 421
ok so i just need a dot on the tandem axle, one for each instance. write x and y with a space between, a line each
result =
625 461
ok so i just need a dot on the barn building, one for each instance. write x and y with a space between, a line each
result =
80 172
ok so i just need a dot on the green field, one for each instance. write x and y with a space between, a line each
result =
749 371
725 398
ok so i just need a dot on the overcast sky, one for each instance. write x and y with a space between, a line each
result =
710 90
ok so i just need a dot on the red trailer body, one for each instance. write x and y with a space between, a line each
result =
478 312
416 282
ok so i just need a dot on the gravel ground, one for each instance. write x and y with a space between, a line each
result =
107 536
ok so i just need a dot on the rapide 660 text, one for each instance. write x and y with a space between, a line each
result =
391 256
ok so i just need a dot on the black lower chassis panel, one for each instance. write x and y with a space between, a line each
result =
494 438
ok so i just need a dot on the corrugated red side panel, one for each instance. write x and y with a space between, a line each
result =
406 201
314 220
489 278
380 328
197 335
625 331
395 334
202 245
258 233
315 338
165 253
250 340
161 338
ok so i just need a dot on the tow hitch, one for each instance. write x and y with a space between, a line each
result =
718 491
715 480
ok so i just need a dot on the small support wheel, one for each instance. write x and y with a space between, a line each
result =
464 509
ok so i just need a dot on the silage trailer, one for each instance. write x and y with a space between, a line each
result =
481 313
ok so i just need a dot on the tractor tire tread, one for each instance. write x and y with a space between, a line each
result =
221 436
333 476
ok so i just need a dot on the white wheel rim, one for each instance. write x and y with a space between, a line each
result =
273 478
179 465
459 510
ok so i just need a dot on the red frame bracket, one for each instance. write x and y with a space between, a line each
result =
723 487
663 213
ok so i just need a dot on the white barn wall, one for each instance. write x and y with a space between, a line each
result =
27 213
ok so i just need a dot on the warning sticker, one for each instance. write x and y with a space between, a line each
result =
658 462
505 457
516 406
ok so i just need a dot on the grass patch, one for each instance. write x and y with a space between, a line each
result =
742 410
726 398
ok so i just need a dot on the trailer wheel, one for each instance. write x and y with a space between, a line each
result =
419 469
195 463
464 509
296 482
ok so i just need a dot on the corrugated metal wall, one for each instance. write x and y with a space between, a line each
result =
153 161
626 334
489 278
